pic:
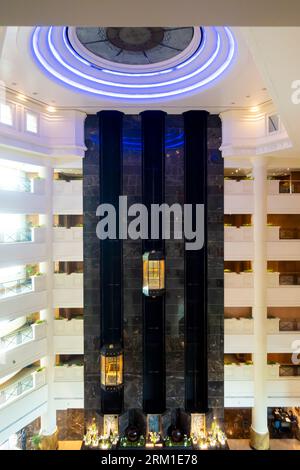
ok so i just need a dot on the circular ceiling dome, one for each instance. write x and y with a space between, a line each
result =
134 63
136 46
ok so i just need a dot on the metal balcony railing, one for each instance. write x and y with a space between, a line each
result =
289 370
21 336
16 287
289 279
289 233
19 236
16 389
289 186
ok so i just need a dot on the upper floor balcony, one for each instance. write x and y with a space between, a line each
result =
239 243
22 247
68 244
68 290
239 392
68 387
238 336
24 197
22 383
67 197
68 336
283 197
283 289
22 296
23 347
22 399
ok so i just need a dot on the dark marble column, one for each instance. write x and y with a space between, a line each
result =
132 268
153 190
215 268
91 254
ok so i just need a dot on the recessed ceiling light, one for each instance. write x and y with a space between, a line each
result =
233 102
35 93
247 96
14 83
51 109
264 89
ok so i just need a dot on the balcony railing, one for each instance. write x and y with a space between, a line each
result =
26 383
24 235
233 186
289 186
289 233
16 287
289 279
21 336
287 324
22 185
289 370
16 389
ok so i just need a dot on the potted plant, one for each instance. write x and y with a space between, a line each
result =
36 441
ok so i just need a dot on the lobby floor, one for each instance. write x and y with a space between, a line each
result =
275 444
234 444
69 445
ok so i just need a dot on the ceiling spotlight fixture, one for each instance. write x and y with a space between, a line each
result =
83 61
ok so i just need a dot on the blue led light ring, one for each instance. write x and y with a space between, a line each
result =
133 96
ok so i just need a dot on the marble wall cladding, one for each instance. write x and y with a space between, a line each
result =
91 247
132 258
237 423
70 424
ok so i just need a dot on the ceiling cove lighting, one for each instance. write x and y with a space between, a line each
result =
213 53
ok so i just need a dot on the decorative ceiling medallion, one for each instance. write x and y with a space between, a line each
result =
135 46
198 57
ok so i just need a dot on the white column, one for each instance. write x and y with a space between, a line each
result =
48 419
259 431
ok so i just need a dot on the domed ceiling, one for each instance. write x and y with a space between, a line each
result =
136 46
140 64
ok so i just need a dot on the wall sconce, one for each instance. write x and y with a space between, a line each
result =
153 274
111 367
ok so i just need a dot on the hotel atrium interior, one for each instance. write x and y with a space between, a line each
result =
141 339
